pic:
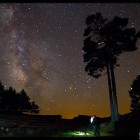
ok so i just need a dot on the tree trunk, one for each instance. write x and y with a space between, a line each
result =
113 83
114 92
110 94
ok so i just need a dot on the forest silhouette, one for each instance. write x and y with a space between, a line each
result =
13 102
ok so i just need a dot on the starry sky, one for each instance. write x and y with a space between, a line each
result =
41 52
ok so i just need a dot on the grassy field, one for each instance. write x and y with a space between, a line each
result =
46 132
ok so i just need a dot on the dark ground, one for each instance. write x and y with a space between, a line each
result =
24 125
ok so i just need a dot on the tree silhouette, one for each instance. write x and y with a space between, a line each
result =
105 41
1 95
134 93
34 108
24 101
1 87
11 101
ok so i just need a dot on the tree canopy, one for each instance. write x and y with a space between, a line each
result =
101 35
11 101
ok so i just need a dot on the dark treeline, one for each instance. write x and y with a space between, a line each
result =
13 102
134 93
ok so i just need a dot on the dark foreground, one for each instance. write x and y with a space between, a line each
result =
55 126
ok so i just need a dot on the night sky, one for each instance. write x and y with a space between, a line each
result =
41 52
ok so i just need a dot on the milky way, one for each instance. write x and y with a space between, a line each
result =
41 52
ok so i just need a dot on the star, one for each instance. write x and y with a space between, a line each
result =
41 51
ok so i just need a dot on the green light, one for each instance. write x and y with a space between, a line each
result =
78 133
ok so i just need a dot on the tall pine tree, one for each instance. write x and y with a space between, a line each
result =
105 41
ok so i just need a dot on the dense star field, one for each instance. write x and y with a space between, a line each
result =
41 52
